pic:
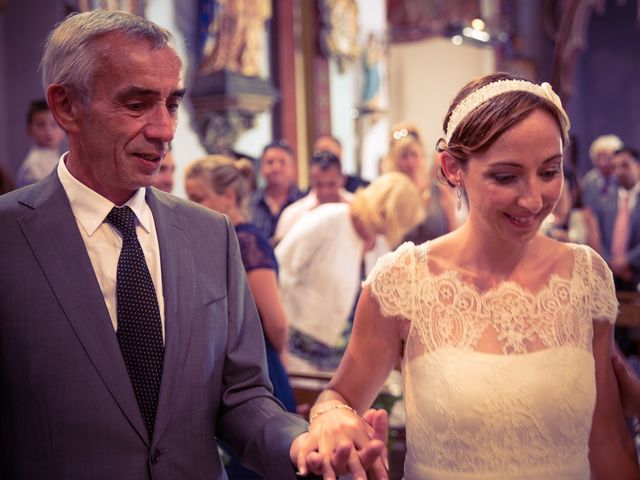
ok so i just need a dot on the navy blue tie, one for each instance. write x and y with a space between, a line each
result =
139 325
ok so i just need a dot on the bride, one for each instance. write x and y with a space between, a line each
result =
504 335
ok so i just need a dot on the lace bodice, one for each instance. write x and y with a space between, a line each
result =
497 383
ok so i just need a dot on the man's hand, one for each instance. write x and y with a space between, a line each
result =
620 267
628 384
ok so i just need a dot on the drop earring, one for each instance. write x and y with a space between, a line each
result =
459 191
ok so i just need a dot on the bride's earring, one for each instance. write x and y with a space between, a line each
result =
459 192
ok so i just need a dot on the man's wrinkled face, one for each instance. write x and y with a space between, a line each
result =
123 133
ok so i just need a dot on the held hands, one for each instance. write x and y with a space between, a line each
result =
628 385
339 441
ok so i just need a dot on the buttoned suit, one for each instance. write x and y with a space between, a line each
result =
606 213
67 407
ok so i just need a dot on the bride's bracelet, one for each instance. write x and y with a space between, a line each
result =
335 406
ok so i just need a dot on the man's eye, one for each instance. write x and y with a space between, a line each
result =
135 107
173 105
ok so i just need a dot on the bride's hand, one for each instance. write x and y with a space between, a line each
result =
339 441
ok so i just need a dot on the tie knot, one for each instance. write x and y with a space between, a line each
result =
124 220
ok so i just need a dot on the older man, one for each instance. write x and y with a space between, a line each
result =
599 184
129 341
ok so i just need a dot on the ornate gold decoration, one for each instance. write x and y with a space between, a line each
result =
235 37
340 31
132 6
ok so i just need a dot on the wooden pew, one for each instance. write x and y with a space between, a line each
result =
629 313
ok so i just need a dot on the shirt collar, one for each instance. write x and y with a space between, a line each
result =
90 208
629 193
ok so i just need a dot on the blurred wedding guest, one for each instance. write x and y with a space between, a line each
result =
6 182
332 144
47 137
164 178
571 220
407 155
279 191
327 185
324 257
619 220
505 335
599 184
223 184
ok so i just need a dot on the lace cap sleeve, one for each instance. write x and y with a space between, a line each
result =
604 304
255 249
392 281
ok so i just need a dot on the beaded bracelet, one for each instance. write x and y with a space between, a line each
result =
335 406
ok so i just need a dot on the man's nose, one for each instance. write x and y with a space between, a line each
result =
161 125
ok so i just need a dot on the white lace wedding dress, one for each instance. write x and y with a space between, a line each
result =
521 412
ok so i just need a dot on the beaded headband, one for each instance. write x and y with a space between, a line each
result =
493 89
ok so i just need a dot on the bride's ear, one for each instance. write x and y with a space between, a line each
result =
451 168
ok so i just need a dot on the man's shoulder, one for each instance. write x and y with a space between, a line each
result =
31 196
591 177
301 205
182 207
327 214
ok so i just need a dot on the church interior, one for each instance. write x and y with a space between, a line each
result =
263 71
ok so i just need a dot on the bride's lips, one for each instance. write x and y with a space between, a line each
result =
523 221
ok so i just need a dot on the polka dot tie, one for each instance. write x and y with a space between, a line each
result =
139 325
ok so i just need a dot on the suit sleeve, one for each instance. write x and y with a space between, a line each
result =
251 420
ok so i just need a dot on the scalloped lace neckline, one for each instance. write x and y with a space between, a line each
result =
457 277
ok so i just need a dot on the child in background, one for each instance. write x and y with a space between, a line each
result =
47 137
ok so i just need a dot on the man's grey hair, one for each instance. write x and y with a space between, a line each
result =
70 55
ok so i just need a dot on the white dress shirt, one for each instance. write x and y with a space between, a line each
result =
104 242
631 194
292 213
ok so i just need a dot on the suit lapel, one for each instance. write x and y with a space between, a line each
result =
52 233
179 297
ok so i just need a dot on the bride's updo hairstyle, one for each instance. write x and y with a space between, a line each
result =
487 107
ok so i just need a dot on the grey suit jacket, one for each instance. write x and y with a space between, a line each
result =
606 212
67 407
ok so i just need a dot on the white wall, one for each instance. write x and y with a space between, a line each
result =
418 81
346 95
343 103
186 145
425 76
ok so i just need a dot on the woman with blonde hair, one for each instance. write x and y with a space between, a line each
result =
225 185
407 155
322 260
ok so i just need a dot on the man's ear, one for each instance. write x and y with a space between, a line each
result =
451 168
63 106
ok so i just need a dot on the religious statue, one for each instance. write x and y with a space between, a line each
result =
235 37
